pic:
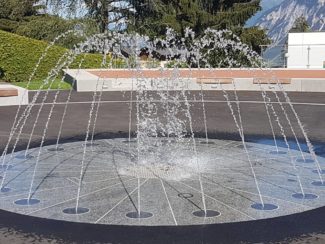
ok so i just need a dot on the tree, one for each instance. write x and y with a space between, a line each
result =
24 17
18 9
153 16
12 12
300 25
254 37
103 11
47 28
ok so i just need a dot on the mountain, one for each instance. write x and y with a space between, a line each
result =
266 5
280 19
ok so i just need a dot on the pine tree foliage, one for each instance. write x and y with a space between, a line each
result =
153 16
100 10
12 12
300 25
18 9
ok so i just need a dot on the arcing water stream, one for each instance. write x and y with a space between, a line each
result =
165 166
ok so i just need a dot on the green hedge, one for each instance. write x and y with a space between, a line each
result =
19 56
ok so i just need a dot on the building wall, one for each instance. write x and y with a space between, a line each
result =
306 50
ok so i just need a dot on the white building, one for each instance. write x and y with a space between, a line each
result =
306 50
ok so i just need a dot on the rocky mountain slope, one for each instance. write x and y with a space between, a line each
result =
280 19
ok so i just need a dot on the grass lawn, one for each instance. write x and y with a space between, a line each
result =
36 85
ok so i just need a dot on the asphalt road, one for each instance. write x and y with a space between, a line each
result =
113 116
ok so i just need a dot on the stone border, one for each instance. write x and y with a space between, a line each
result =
13 95
245 80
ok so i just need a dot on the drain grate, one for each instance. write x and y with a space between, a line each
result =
136 215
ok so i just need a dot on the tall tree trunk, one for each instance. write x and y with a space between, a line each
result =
104 16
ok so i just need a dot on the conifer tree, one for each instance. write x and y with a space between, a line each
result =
99 10
153 16
14 11
300 25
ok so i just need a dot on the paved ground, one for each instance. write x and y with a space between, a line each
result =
169 182
113 121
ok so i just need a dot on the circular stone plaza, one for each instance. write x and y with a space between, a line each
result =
248 168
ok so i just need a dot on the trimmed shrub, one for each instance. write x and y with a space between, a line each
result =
8 25
48 27
19 56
